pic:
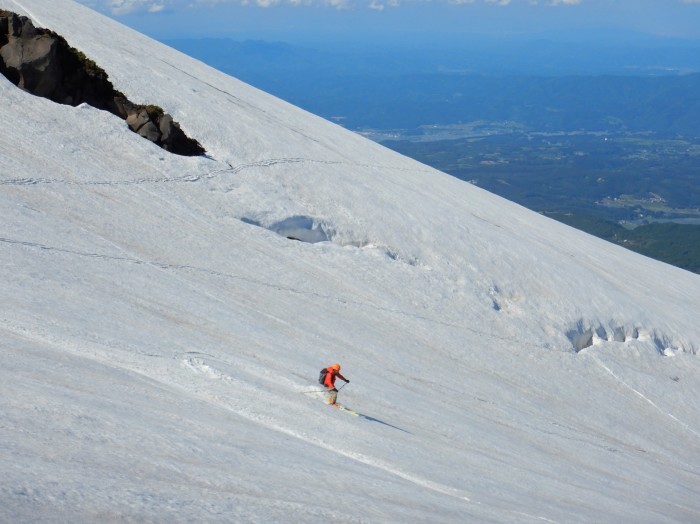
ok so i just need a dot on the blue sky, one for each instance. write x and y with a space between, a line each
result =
366 19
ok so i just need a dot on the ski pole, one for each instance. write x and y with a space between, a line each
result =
322 390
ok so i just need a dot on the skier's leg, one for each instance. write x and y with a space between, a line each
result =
332 395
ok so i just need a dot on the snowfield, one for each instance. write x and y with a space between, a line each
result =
161 336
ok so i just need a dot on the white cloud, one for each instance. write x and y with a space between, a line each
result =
555 2
124 7
339 4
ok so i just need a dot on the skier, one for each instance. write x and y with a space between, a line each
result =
329 381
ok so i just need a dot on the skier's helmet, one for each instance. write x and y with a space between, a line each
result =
336 367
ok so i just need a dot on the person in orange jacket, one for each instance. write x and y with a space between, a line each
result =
331 373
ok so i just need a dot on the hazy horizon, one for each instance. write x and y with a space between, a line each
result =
393 20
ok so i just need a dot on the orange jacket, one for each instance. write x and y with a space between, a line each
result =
329 381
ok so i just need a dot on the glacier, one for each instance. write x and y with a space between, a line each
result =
165 319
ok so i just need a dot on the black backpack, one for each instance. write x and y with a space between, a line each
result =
322 376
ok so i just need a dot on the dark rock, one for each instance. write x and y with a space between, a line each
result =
150 131
42 63
175 139
166 125
137 120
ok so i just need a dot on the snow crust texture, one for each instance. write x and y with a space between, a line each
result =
165 319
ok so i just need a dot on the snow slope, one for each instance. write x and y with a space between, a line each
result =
162 337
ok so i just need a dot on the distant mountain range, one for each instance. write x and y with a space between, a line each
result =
543 85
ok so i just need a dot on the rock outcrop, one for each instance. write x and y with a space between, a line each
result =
42 63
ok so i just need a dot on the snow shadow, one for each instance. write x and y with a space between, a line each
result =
583 336
372 419
299 227
312 230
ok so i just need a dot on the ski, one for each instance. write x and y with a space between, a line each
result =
346 410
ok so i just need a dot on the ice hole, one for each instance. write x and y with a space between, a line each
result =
583 336
581 339
302 228
311 230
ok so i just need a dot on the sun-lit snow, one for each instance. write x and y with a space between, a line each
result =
161 335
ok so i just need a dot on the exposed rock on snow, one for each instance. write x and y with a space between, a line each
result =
41 62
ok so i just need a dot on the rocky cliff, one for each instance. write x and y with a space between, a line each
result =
42 63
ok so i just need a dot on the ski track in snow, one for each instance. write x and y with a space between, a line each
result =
644 397
236 100
31 15
189 178
162 180
199 366
269 285
275 286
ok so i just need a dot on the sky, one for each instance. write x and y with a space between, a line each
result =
290 20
